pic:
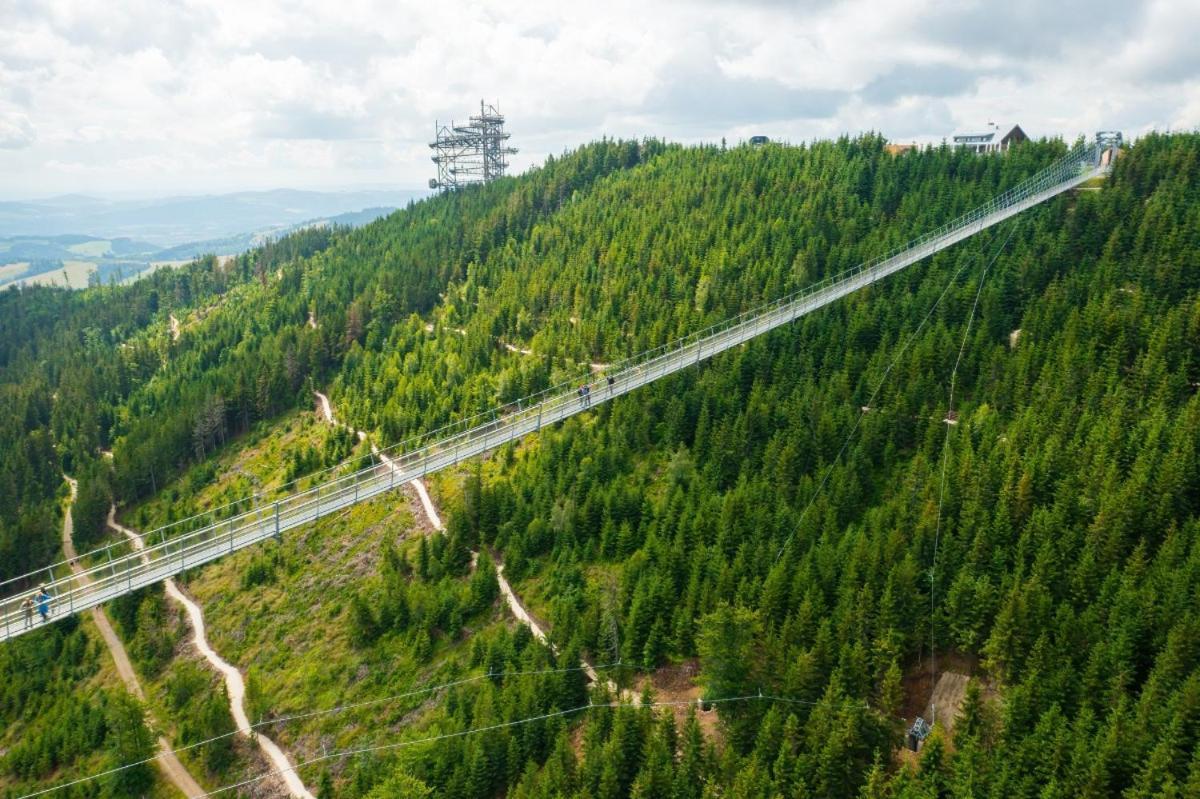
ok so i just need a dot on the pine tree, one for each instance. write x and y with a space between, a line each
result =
128 741
364 627
215 724
690 774
325 786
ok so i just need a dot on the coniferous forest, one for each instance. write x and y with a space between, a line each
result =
796 523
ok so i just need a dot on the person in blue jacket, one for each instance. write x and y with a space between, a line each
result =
43 603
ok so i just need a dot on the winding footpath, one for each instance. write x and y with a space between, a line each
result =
235 685
594 366
435 520
418 484
166 761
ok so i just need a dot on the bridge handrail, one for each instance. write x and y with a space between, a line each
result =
409 455
1047 177
469 422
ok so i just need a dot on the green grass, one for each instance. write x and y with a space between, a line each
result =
254 463
290 631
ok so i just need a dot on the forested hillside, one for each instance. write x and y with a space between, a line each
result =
767 518
69 360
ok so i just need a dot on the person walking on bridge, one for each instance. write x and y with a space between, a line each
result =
27 606
43 603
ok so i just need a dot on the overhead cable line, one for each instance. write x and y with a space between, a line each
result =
871 399
314 713
515 723
950 422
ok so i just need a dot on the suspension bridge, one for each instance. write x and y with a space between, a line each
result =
110 572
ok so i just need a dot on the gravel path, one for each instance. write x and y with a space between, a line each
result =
235 685
167 762
510 596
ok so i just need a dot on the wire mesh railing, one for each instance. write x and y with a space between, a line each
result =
204 537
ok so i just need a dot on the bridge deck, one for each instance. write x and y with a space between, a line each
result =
215 537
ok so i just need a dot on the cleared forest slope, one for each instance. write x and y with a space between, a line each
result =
765 524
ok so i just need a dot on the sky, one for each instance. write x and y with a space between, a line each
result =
161 97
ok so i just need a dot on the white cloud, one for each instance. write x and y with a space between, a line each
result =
184 95
16 132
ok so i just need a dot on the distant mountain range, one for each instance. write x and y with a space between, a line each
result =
170 221
42 241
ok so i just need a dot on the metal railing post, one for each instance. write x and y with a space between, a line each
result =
637 370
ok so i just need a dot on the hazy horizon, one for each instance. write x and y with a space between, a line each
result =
148 195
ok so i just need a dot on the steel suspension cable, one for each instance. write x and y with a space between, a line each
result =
950 423
874 393
205 542
312 714
518 722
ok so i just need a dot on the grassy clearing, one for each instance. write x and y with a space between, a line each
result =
254 463
76 275
280 611
96 248
9 272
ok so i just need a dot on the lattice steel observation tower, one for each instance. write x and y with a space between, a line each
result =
473 153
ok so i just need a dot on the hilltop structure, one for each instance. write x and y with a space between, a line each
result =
991 140
472 153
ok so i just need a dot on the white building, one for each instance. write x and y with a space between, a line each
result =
992 140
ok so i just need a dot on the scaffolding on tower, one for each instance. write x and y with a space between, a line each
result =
473 153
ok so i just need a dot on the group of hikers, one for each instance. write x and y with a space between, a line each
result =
585 392
41 601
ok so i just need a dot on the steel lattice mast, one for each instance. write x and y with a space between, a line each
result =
473 153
